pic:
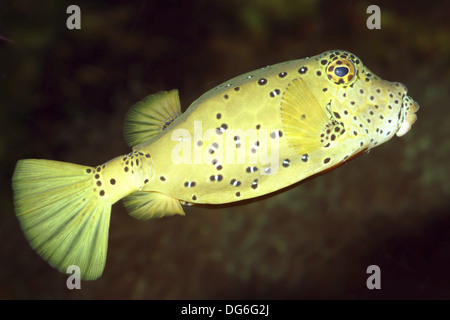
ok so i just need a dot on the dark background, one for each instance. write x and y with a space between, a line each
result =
64 94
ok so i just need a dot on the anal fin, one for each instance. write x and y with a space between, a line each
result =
149 117
146 205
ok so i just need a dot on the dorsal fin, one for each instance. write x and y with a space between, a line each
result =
147 118
146 205
304 119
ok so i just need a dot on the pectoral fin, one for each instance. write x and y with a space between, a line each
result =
308 125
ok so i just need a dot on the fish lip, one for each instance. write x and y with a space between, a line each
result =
409 107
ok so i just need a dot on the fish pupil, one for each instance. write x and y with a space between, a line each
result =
341 71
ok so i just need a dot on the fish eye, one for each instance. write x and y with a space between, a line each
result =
341 71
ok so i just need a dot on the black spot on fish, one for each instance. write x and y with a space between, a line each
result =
222 128
262 81
274 93
235 182
189 184
237 141
276 134
251 169
216 178
215 162
302 70
214 147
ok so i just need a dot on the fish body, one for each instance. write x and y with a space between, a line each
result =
243 117
252 135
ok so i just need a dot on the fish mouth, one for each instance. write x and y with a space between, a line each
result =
409 109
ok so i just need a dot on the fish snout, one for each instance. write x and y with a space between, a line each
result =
409 109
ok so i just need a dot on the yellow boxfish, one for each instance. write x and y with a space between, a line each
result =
252 135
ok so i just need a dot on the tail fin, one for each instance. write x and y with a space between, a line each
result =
62 215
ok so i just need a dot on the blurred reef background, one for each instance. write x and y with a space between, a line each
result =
64 94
